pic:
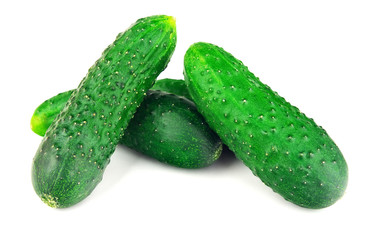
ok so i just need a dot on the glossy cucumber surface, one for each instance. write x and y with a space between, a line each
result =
287 150
77 146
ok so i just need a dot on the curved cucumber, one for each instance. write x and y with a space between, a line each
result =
76 148
283 147
169 128
171 124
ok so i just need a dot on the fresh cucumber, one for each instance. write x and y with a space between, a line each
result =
288 151
76 148
165 127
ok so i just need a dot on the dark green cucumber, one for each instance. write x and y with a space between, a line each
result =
288 151
169 123
169 128
76 148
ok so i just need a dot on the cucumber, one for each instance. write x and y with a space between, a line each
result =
77 146
169 128
171 124
287 150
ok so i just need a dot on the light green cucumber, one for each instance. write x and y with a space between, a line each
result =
287 150
77 146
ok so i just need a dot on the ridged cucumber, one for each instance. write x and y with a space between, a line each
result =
73 154
288 151
171 124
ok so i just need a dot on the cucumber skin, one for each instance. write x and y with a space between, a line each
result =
72 156
177 123
170 129
283 147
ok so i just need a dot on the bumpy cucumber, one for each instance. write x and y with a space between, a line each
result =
169 128
288 151
171 124
77 146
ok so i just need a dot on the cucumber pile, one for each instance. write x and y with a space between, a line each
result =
182 123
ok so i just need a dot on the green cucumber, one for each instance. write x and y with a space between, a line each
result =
77 146
170 123
170 128
287 150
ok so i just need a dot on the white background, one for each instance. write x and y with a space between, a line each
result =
310 52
